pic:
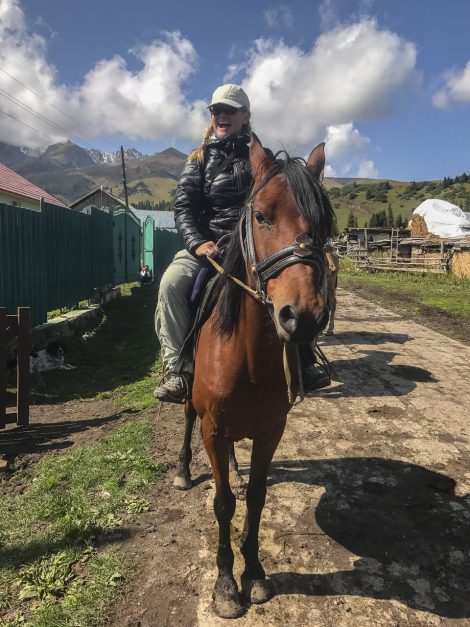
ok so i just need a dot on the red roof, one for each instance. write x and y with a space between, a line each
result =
12 182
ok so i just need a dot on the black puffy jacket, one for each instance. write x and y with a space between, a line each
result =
208 207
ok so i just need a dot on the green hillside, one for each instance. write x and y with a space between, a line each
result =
365 197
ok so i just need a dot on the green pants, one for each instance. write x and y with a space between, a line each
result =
173 314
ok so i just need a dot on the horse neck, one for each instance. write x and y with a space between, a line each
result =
263 348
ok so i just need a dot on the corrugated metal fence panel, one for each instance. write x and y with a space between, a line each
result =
102 248
31 274
166 245
53 258
22 275
8 245
68 256
125 227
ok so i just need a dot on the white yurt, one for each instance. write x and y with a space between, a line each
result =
444 219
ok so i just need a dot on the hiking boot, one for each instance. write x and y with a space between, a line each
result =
176 389
314 378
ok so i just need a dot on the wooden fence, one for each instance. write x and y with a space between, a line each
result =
12 326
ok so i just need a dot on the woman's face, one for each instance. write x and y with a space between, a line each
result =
227 120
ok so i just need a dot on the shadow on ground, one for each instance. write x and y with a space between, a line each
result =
371 373
122 350
39 438
405 522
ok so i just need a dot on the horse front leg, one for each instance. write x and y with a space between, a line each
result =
182 480
236 480
255 586
227 603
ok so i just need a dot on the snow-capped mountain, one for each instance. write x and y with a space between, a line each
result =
113 158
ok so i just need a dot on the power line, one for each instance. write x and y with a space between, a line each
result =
54 107
24 124
41 117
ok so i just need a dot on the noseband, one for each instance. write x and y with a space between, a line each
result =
302 250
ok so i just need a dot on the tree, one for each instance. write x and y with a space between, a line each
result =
350 223
390 217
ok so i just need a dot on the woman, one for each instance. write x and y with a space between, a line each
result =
209 200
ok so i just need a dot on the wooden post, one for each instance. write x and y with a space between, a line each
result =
11 326
24 349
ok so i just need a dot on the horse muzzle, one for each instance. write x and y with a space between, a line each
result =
299 326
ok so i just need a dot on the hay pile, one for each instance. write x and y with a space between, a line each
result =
418 226
460 264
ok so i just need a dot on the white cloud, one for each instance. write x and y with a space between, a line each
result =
351 73
328 14
146 104
367 170
456 89
299 97
345 146
279 16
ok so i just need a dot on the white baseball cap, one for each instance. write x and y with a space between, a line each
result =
232 95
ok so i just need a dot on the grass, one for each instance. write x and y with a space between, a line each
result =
57 563
118 360
445 293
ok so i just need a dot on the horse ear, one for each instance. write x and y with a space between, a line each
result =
316 160
258 156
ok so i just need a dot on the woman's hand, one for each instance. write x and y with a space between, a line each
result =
208 249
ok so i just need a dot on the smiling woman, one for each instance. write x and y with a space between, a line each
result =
209 201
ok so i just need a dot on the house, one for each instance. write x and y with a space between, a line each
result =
105 200
17 191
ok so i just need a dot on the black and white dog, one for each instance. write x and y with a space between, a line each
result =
50 358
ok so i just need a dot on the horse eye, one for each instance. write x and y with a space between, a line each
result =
260 218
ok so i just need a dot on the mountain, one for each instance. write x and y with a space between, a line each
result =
15 155
114 158
69 171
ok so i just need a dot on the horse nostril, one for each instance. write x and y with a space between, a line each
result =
288 318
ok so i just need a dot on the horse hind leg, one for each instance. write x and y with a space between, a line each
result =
182 480
255 586
236 480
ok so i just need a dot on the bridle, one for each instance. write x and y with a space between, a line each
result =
302 250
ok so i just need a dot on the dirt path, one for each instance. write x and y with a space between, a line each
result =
367 520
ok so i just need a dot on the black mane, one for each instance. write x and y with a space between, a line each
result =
314 205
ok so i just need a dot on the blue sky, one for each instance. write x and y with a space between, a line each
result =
385 82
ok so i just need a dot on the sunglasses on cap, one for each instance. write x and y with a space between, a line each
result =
218 109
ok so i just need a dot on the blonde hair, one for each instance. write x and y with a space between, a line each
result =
198 153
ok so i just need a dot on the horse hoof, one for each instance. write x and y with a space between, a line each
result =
227 606
182 483
257 590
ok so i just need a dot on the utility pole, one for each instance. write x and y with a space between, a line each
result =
124 182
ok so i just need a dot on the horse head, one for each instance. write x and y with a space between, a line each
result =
288 220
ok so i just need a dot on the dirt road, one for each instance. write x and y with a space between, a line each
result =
367 520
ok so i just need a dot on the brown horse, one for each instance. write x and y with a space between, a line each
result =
240 389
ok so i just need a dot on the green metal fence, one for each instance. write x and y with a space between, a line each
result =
166 245
127 242
56 257
52 258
